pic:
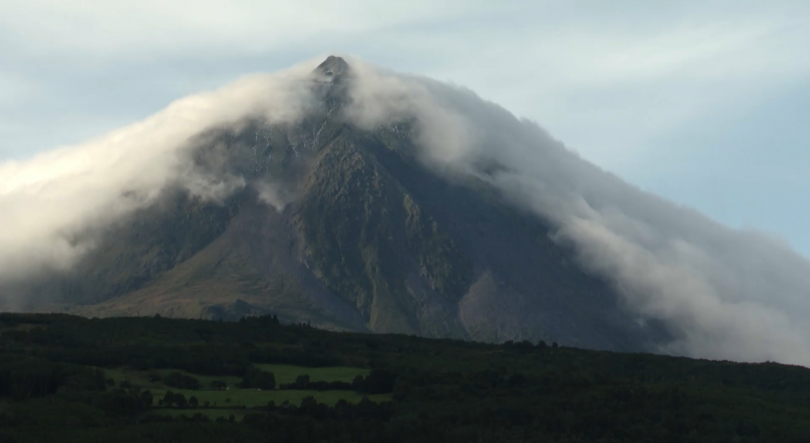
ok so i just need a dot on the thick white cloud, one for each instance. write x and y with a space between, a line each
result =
726 293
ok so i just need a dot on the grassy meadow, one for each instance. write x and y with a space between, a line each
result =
235 397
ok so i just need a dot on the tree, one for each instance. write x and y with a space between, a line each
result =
379 381
308 402
181 381
256 378
147 398
168 399
217 384
302 382
193 402
121 402
524 346
358 382
180 400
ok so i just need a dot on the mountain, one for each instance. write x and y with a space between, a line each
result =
346 227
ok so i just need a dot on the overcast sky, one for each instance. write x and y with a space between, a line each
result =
706 103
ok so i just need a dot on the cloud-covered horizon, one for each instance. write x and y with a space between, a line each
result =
724 293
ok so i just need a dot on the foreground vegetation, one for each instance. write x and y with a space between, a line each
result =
71 379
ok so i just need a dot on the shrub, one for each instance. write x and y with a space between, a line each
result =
180 381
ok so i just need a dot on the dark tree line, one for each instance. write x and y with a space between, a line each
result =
256 378
379 381
442 390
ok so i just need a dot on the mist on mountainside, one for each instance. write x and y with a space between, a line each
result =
291 171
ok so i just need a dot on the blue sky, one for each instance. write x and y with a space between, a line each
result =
705 103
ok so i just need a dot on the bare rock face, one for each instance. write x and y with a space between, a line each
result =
333 66
344 228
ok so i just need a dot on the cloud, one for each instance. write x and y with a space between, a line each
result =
44 201
273 194
724 293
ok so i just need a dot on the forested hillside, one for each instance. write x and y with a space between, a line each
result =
72 379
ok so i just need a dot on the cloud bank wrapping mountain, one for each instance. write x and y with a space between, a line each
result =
721 293
47 199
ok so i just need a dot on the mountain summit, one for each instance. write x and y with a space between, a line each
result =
333 66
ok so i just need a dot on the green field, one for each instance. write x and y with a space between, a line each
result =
236 397
140 379
288 373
